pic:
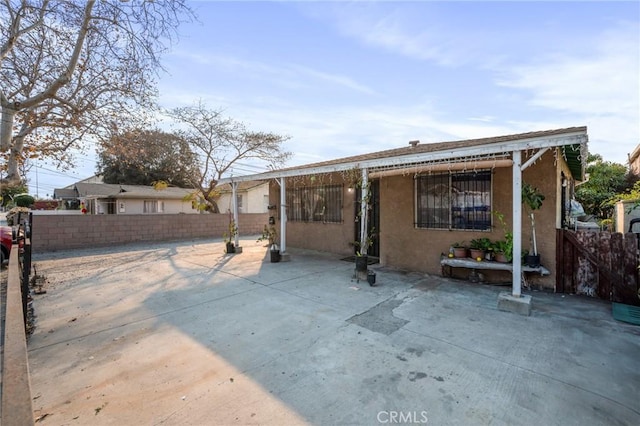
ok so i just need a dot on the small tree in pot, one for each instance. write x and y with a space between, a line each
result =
270 235
361 253
533 199
230 236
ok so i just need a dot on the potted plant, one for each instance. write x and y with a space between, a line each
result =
478 248
533 200
230 236
459 249
503 249
270 235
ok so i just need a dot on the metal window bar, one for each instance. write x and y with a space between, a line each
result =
473 200
315 204
454 201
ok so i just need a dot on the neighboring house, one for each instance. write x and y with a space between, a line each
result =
426 197
102 198
252 197
68 196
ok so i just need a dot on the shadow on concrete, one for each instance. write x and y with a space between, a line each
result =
188 335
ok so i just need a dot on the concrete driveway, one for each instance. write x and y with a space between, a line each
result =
181 334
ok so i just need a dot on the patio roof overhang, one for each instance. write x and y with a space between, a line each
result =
572 142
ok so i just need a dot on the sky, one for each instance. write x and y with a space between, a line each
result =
345 78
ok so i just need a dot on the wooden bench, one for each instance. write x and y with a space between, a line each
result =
457 262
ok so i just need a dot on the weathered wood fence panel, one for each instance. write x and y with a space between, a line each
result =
598 264
630 288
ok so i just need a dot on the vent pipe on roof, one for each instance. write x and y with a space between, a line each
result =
414 143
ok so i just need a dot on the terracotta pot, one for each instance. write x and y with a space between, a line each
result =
500 257
477 253
460 252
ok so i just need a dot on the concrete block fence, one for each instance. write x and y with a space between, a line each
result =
63 232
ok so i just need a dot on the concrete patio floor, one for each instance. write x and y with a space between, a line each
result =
182 334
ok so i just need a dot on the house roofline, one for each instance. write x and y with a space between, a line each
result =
576 137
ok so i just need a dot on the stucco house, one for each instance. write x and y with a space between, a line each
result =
251 197
425 197
102 198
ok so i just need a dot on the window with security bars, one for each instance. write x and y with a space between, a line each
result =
315 204
454 201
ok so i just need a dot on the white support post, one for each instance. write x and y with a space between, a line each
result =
517 223
364 208
283 216
234 194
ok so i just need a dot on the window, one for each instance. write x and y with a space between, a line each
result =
153 206
239 200
150 206
316 204
454 201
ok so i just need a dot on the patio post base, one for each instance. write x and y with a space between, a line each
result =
285 257
519 305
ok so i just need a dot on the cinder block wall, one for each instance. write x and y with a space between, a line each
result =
62 232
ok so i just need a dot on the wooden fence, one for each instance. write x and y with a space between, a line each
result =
598 264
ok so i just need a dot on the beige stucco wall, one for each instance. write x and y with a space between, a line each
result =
545 175
132 206
404 246
252 200
624 212
255 199
224 203
330 237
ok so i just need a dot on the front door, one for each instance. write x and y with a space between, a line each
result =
373 227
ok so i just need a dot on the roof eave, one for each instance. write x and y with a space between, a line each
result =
577 138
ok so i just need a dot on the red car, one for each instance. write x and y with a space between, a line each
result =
5 240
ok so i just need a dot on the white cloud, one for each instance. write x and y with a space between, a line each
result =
605 82
398 31
289 75
562 79
333 79
601 89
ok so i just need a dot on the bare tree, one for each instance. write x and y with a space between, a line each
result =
222 142
73 71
